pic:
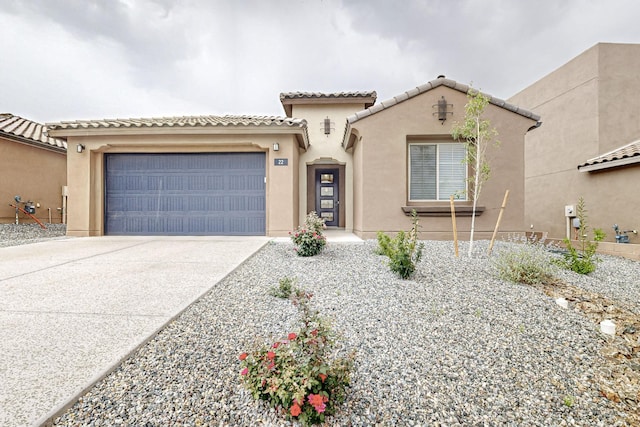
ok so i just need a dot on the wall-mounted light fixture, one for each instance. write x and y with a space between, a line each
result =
79 148
442 110
276 146
327 126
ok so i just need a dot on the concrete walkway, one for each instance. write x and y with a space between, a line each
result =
72 309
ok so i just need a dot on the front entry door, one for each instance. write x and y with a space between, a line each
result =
327 197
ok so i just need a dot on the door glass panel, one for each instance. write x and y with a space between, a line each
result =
326 178
326 191
327 216
326 204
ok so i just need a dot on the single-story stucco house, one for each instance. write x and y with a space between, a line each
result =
589 145
32 166
362 166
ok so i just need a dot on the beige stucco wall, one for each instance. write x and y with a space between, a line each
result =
35 174
326 149
86 174
589 106
381 159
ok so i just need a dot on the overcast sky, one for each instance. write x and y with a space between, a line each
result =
91 59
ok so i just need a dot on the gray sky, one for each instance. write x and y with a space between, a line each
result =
91 59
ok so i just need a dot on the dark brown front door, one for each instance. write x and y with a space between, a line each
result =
327 196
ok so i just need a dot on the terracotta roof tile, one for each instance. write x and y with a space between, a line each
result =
432 85
186 121
320 95
625 155
287 99
15 127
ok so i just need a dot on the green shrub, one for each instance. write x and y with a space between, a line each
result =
284 289
295 374
527 262
404 251
584 259
308 239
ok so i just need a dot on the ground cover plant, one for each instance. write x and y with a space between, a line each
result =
528 262
308 239
286 287
297 374
404 251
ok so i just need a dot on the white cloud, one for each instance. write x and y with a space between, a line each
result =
73 59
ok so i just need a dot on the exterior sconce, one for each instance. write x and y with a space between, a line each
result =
327 126
79 148
442 110
276 146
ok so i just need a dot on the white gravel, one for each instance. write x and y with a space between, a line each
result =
454 347
22 234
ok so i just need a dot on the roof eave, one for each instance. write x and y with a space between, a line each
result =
452 84
288 102
172 130
609 164
32 143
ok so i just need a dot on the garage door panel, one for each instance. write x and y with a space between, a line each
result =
190 194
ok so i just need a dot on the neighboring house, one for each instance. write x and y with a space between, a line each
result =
589 144
32 166
357 164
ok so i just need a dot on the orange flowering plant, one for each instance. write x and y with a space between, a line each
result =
296 374
309 239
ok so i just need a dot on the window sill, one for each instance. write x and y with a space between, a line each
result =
442 210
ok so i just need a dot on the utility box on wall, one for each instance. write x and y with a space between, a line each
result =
569 211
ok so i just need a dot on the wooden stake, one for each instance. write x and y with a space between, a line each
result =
495 231
455 229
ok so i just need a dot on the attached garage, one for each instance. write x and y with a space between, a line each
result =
185 194
183 176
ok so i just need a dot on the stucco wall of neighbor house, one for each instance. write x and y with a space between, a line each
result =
619 95
35 174
381 162
326 150
589 106
86 173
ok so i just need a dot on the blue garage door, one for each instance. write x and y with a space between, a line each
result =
185 194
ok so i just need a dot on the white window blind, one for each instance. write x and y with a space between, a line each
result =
437 171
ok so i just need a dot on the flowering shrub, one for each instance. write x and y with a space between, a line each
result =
295 373
308 239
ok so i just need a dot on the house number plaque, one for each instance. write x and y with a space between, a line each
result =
281 162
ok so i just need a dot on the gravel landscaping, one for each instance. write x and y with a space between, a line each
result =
22 234
454 346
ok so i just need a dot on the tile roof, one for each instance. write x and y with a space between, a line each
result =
288 98
186 121
441 81
17 128
622 156
334 95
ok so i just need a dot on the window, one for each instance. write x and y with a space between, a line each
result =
437 171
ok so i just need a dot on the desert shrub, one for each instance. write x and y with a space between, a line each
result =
308 238
404 251
296 374
528 262
582 260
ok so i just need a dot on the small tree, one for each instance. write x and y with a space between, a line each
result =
477 134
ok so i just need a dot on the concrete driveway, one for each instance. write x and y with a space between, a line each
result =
72 309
